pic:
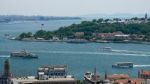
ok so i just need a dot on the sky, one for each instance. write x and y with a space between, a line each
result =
73 7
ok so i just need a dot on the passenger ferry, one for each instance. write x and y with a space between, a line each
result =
123 65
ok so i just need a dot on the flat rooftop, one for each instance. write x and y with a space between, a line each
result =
145 72
32 80
118 76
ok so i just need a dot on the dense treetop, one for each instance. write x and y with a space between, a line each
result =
94 26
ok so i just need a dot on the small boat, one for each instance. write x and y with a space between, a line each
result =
23 54
123 65
107 49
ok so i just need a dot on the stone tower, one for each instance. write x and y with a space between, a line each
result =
6 77
7 68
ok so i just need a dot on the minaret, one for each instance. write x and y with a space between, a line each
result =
7 68
42 26
105 75
95 76
146 17
95 73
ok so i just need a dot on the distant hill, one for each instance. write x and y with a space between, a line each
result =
9 18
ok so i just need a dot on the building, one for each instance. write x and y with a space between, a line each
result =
53 71
116 78
33 80
6 77
54 38
91 78
137 37
79 34
137 81
145 74
124 79
148 81
121 37
111 36
54 74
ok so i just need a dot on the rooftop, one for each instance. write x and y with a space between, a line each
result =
145 72
118 76
53 67
32 79
132 81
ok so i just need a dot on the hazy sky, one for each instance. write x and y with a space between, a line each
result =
72 7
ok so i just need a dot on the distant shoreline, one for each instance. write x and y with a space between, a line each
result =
85 41
13 18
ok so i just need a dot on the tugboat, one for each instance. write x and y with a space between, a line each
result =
23 54
123 65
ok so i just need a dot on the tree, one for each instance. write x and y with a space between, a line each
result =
40 34
90 27
100 20
29 34
106 20
94 20
25 35
117 19
135 18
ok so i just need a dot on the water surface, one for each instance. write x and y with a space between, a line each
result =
78 57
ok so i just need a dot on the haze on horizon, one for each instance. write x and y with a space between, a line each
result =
73 7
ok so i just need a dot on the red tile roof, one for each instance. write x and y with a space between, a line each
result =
126 81
144 72
117 76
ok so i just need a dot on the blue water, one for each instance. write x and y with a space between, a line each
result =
78 57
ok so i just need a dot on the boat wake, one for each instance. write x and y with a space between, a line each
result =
113 53
141 65
4 56
130 52
96 53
